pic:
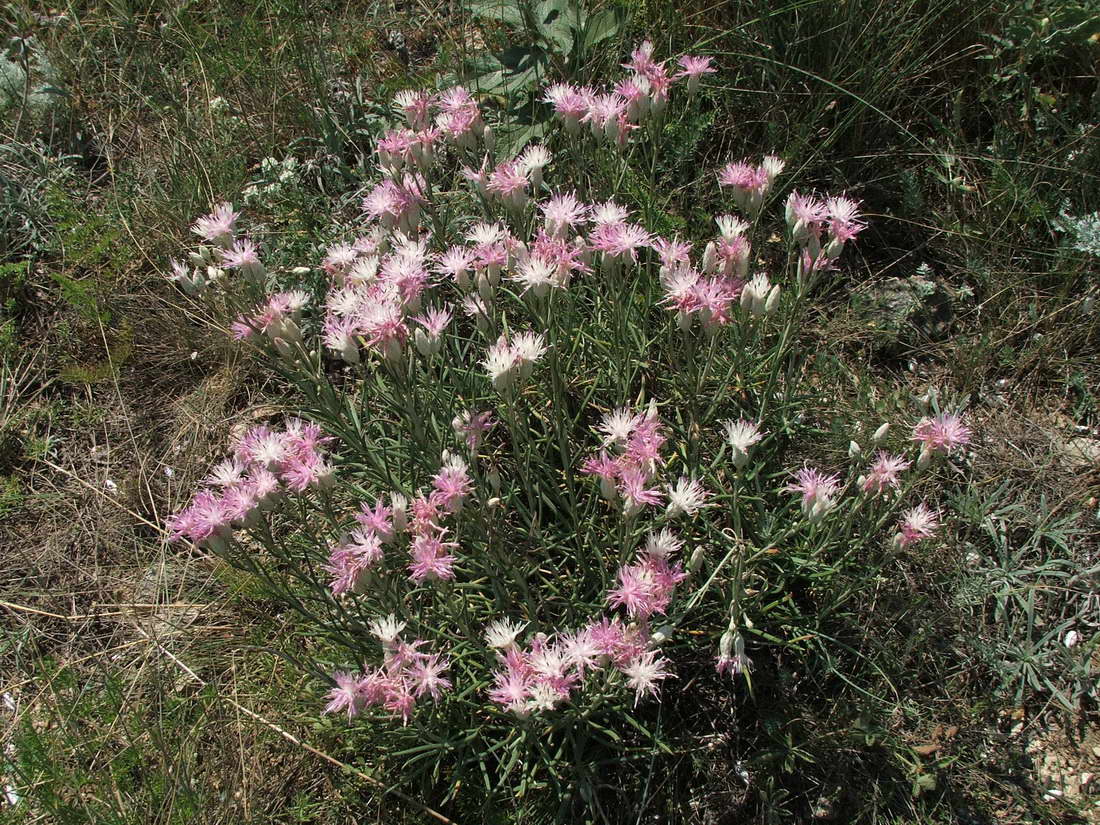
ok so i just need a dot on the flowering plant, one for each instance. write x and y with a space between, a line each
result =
521 500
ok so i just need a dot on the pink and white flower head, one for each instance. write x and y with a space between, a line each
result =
501 364
663 543
843 218
641 59
603 114
219 226
805 216
538 275
617 426
456 263
344 698
687 496
339 335
570 103
432 559
741 436
415 105
619 242
509 183
749 183
607 213
818 492
884 475
452 484
674 254
731 655
428 337
645 673
916 525
563 212
528 348
471 426
760 296
608 470
244 257
532 161
635 492
693 68
940 435
377 520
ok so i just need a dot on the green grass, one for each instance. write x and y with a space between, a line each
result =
965 130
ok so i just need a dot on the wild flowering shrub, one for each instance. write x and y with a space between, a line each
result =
547 456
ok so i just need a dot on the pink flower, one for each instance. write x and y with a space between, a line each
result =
377 519
563 211
818 491
941 433
345 696
434 321
632 487
472 426
431 559
884 474
508 182
619 241
426 675
694 66
399 699
242 255
456 263
510 690
452 485
217 227
749 183
415 106
641 59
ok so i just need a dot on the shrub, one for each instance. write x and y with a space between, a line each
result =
547 460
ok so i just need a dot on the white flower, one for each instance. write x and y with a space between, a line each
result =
687 496
663 544
528 347
535 156
741 435
644 673
617 426
500 363
730 226
486 233
387 629
502 633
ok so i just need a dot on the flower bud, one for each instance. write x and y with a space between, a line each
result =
725 644
283 347
854 450
710 257
661 634
747 295
349 352
880 433
399 504
773 300
696 560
